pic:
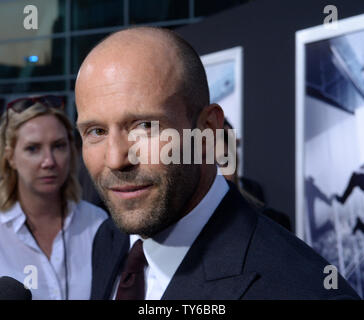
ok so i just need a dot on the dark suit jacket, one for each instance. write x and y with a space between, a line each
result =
240 254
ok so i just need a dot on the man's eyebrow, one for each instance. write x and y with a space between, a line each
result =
130 117
85 124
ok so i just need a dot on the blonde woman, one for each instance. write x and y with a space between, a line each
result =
46 232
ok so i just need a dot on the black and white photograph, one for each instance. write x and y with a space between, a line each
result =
331 113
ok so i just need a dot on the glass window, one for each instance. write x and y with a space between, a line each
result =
50 18
24 87
35 58
81 46
143 11
73 84
89 14
205 8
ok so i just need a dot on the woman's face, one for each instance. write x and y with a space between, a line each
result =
41 156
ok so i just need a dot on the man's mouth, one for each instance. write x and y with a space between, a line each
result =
130 191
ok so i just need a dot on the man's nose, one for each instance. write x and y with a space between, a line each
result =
116 157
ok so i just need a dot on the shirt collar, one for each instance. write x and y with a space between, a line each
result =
176 240
15 216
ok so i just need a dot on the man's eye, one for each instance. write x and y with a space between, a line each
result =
96 132
145 125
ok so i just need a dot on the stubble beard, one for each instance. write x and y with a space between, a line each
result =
173 188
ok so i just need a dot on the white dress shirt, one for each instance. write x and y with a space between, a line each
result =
165 251
22 259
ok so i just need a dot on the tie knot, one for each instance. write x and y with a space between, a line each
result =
136 260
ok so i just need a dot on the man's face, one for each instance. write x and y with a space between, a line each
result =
114 98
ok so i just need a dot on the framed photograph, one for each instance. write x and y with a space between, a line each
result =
330 144
224 71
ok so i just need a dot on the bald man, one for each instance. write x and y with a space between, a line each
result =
199 237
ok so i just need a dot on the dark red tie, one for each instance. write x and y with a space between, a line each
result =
131 286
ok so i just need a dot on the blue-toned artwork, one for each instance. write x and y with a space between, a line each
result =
333 152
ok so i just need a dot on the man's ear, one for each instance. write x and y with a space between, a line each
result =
211 117
9 155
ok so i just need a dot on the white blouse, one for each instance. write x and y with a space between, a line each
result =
22 259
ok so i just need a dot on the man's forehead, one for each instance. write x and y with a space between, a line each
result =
110 97
118 73
104 88
114 80
135 71
129 94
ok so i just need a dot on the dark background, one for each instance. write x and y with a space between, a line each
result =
266 31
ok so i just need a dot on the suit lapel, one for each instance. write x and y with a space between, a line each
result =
213 268
112 252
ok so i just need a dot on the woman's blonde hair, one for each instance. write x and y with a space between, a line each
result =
10 124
